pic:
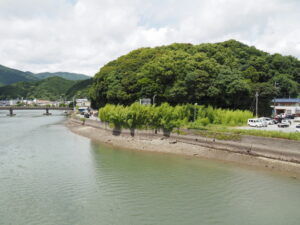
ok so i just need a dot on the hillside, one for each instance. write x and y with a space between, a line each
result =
9 76
225 75
65 75
80 89
52 88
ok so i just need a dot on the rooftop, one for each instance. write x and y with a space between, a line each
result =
287 100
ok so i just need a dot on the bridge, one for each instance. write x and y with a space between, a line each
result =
12 108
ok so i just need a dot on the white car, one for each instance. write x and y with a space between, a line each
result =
297 119
269 120
298 128
255 123
265 121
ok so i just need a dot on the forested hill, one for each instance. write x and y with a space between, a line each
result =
65 75
10 76
225 74
52 88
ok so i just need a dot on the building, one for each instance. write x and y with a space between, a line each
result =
41 102
83 102
145 101
286 106
4 103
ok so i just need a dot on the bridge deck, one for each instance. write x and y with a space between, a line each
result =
33 108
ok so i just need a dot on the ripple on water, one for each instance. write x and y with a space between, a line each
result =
51 176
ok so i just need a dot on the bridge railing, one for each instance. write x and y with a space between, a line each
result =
12 108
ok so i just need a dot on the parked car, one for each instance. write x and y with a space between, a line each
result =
290 117
287 121
298 128
255 123
267 121
297 119
283 124
86 115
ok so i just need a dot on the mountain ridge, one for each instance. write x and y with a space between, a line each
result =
10 76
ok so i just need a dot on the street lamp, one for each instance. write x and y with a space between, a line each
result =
153 99
274 101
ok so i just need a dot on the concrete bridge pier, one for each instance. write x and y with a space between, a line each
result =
47 112
11 112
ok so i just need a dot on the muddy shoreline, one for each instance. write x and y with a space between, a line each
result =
172 146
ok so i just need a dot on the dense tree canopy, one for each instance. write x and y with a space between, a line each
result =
225 74
52 88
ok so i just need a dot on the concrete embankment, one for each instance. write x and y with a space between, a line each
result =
277 154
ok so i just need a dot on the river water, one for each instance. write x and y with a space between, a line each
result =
50 176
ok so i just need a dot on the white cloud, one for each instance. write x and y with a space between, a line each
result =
83 35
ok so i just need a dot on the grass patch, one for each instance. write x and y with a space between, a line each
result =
216 135
272 134
260 133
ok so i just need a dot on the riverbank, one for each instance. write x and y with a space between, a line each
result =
226 152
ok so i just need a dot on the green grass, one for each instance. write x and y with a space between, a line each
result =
217 135
234 131
271 134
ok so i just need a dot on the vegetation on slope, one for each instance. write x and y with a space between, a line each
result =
10 76
224 75
65 75
80 89
52 88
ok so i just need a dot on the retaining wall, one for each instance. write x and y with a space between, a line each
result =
274 148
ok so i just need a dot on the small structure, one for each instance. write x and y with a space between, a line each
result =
286 106
41 102
83 102
145 101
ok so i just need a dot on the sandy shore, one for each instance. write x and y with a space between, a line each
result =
171 146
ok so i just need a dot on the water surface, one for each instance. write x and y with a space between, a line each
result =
50 176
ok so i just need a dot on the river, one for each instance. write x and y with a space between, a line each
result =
50 176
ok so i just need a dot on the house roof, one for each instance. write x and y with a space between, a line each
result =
287 100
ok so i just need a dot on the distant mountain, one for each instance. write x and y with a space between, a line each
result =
51 88
10 76
65 75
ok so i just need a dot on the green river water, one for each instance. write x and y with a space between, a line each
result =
50 176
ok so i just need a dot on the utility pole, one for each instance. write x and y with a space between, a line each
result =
256 97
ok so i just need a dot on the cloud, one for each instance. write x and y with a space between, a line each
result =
83 35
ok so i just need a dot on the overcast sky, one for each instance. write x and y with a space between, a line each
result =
83 35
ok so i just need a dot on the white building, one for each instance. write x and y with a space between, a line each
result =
287 106
83 102
4 102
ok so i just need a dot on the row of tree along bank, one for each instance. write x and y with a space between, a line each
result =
168 117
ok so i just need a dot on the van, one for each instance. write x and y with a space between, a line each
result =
255 123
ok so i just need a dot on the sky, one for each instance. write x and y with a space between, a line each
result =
83 35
